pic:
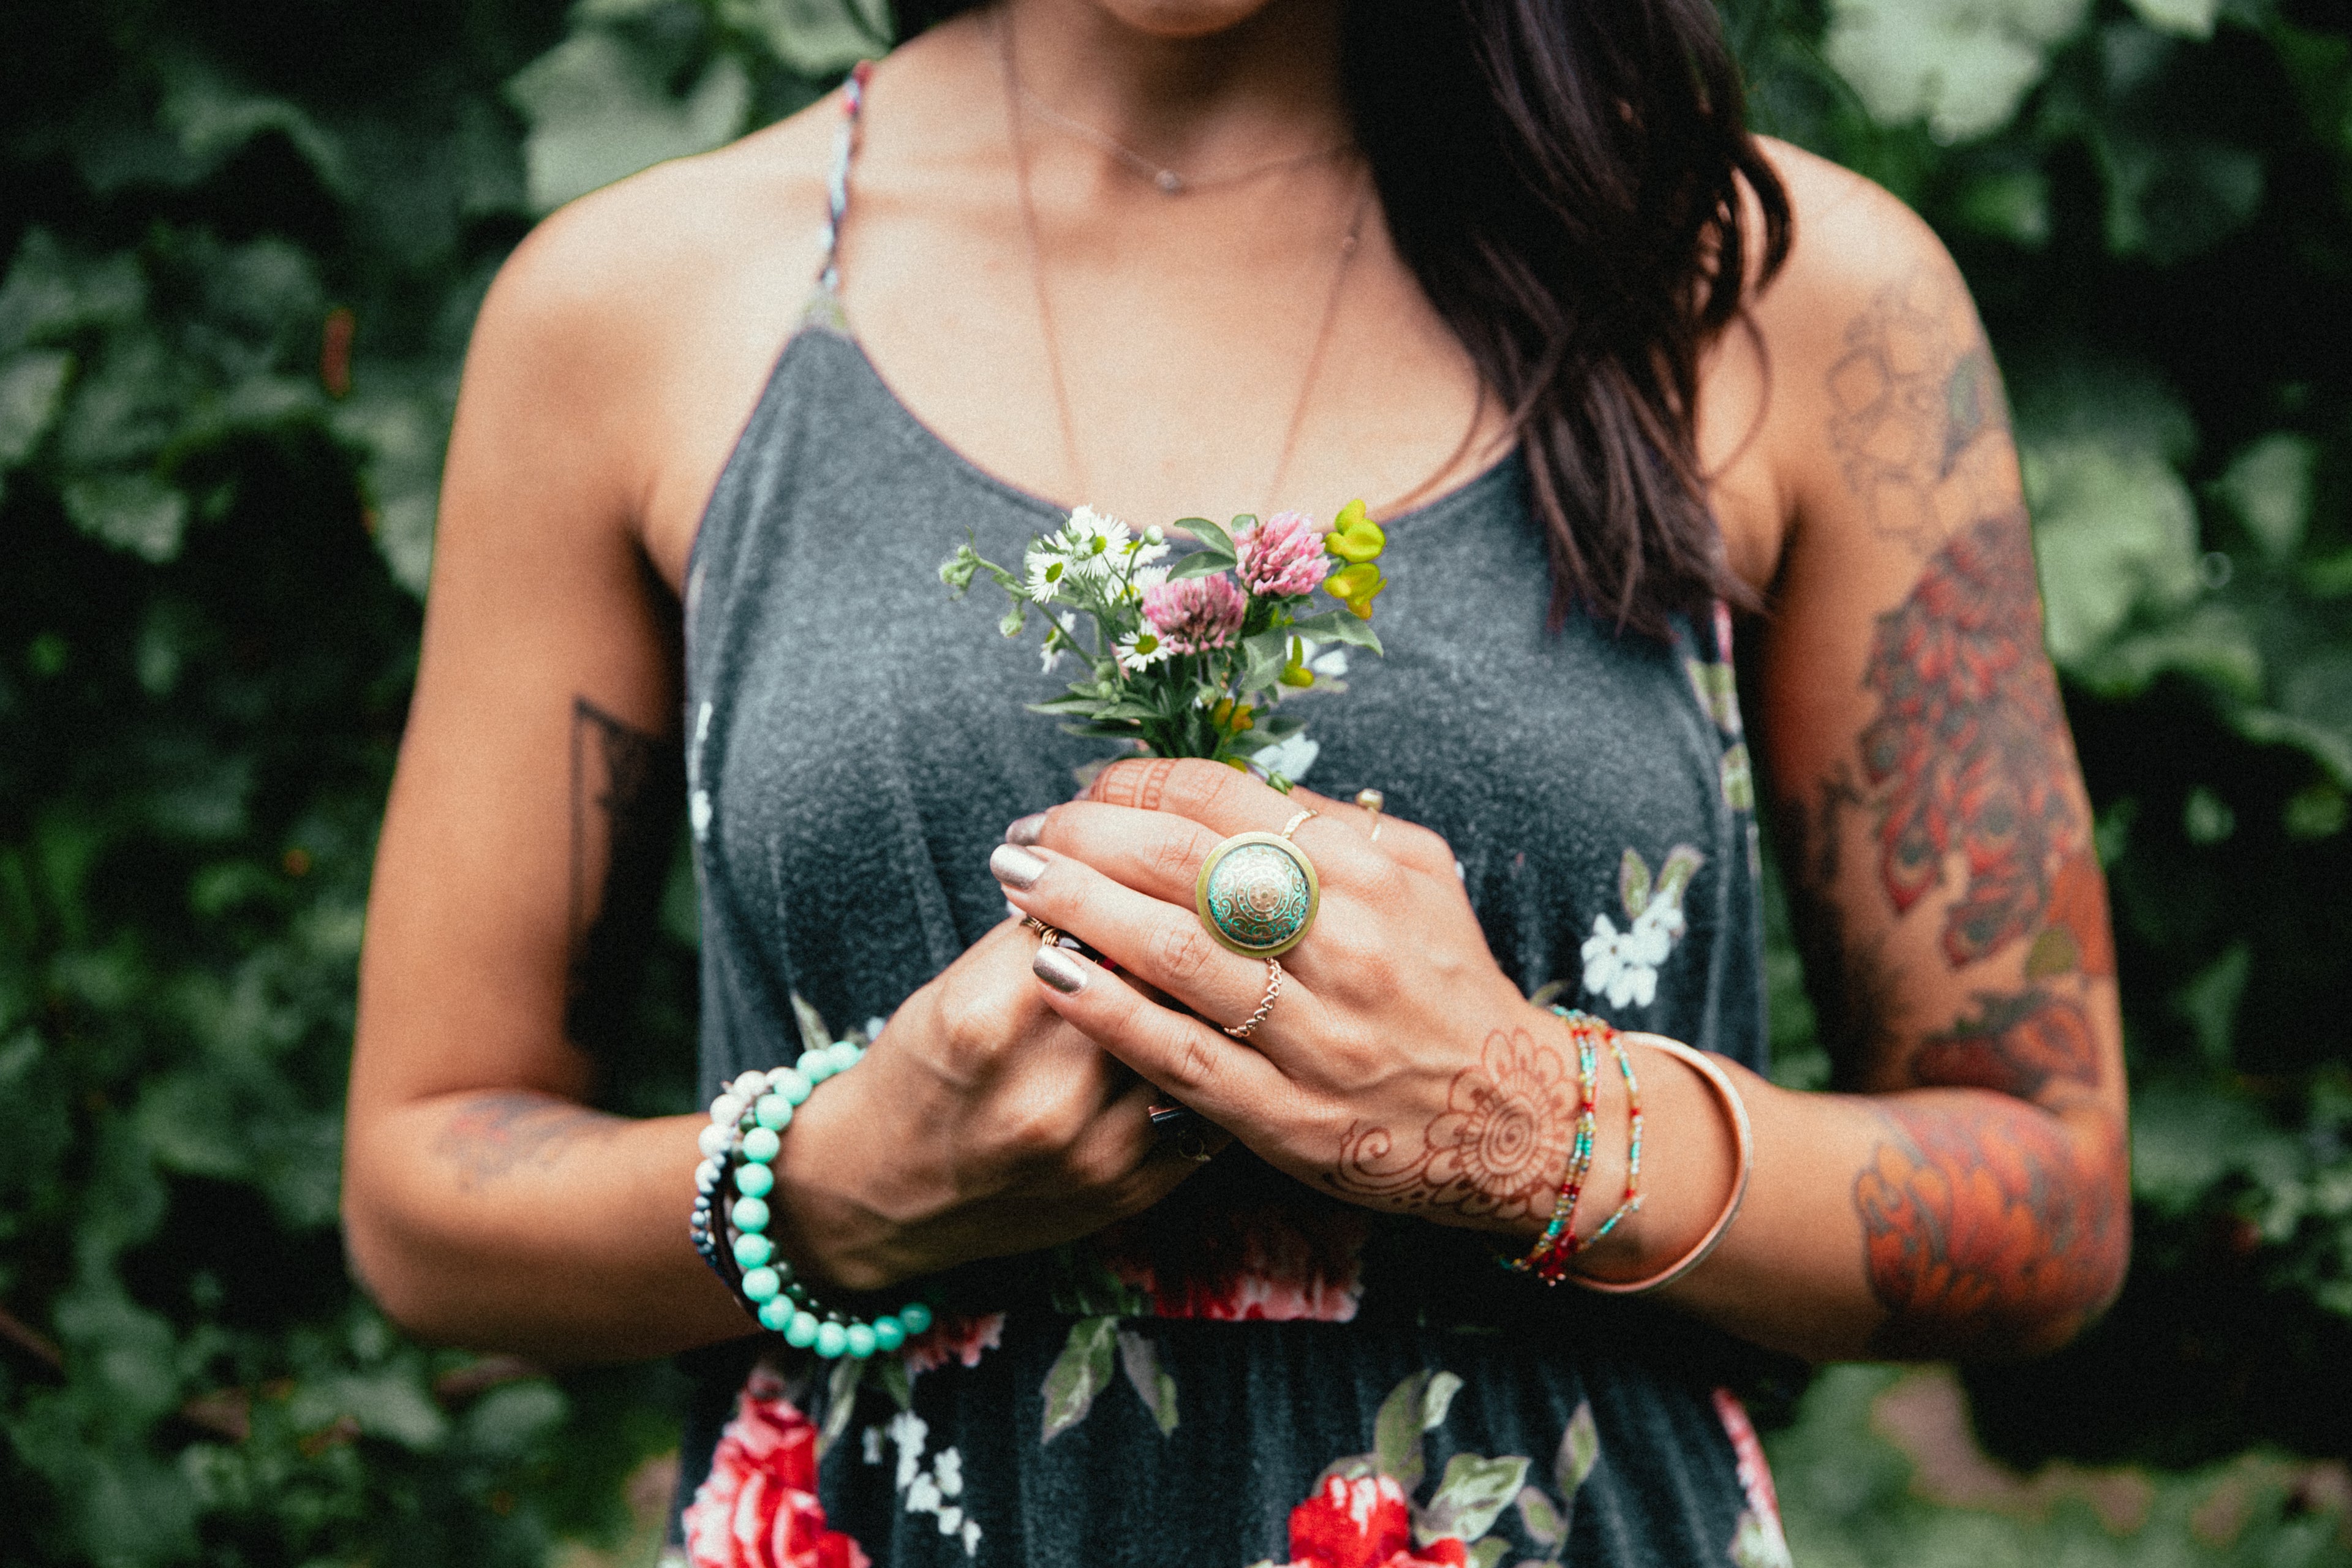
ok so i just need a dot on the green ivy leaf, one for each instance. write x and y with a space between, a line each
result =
1397 1429
1139 1358
1579 1450
1540 1520
1080 1372
1471 1493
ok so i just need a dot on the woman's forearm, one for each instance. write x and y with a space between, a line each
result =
522 1221
1935 1222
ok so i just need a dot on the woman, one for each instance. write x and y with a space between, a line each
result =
1516 269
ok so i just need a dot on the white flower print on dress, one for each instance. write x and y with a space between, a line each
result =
932 1490
1622 966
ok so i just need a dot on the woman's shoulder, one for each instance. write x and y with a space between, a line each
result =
1851 242
677 240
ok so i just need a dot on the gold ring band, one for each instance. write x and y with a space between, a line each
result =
1247 1026
1292 825
1372 800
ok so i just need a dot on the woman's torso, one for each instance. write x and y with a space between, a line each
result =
856 743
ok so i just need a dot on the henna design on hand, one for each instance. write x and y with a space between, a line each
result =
1133 782
1991 1232
1496 1152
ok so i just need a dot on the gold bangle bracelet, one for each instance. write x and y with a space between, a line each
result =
1743 1135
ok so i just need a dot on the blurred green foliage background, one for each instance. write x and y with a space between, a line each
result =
242 246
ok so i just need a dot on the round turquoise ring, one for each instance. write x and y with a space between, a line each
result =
1257 894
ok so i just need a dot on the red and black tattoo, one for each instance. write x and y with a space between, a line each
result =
1496 1152
1990 1231
1969 751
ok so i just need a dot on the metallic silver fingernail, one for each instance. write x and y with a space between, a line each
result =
1065 972
1028 830
1014 866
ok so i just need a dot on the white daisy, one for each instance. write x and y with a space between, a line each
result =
1049 571
1139 650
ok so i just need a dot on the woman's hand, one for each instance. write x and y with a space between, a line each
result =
1399 1066
979 1125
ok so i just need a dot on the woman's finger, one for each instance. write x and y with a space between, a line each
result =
1163 944
1223 1079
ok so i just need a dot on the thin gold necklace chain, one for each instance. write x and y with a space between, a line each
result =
1348 246
1165 179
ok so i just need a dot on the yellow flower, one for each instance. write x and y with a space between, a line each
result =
1354 538
1233 718
1356 586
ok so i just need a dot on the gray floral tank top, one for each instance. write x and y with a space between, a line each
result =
1251 1373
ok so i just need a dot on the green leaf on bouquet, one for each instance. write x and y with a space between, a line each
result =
1081 1372
1200 564
1212 536
1335 626
1265 655
1065 705
1473 1492
1121 730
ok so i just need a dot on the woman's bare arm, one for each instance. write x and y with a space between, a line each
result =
1935 837
531 807
1971 1199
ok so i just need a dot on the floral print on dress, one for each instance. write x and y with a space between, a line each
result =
1757 1541
757 1507
1362 1513
934 1490
1269 1262
953 1337
1623 965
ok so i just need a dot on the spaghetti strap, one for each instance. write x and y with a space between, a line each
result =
836 183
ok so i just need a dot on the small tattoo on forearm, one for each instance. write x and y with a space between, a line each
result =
495 1135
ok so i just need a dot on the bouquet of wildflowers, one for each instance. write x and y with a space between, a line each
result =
1189 659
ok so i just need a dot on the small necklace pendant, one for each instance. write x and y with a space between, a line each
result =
1170 182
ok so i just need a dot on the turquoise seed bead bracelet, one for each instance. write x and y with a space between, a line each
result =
741 1143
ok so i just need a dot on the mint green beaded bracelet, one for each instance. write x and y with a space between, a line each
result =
743 1141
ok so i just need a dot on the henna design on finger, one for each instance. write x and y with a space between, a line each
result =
1134 782
1496 1152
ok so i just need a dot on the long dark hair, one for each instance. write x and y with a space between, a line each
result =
1565 177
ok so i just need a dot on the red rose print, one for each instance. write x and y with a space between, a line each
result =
758 1507
953 1337
1365 1523
1266 1263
